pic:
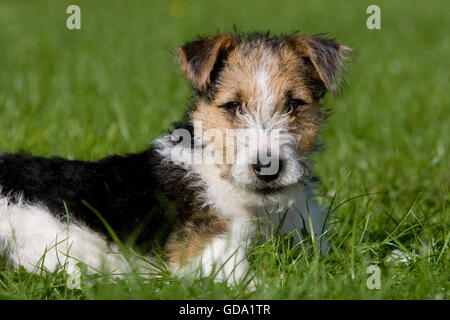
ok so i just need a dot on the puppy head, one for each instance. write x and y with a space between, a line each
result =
258 103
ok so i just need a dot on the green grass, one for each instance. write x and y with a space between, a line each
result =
113 86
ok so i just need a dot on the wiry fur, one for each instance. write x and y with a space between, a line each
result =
202 215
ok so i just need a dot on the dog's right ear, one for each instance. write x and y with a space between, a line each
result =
201 59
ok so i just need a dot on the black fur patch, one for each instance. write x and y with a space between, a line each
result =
140 198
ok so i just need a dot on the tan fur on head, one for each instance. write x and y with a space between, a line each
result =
264 83
198 58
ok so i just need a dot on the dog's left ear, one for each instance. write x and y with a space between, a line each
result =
326 56
201 59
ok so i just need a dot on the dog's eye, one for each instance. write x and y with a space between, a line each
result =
294 105
231 105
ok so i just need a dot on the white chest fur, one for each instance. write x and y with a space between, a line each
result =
226 255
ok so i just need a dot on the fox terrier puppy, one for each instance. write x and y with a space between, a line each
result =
236 165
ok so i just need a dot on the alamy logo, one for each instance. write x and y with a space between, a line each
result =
374 280
374 20
230 146
74 280
74 20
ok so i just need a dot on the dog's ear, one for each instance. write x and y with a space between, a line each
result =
201 59
326 56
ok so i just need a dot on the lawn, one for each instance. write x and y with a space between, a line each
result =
114 86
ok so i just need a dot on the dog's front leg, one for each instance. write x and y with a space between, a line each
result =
210 246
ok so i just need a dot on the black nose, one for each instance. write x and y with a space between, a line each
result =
266 171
